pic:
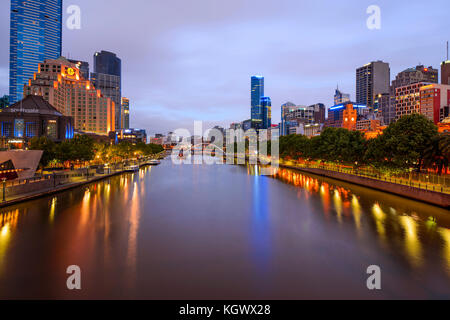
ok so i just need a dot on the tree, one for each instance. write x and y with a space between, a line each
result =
436 153
405 141
45 144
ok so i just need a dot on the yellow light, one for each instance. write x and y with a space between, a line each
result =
5 230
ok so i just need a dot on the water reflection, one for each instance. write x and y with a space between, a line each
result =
397 228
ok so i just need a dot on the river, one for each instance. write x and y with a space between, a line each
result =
223 232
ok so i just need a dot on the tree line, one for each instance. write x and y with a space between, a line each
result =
411 142
82 149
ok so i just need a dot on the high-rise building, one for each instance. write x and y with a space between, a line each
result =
445 72
435 102
59 82
405 78
407 99
107 77
83 66
257 92
4 102
35 35
285 108
125 113
385 107
266 106
340 97
293 116
372 79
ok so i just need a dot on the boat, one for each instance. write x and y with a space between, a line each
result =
153 162
132 168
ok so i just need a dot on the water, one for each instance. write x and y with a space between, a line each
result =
223 232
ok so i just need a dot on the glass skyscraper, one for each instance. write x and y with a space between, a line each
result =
266 110
35 35
107 77
257 92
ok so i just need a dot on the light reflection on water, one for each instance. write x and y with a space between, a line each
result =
223 232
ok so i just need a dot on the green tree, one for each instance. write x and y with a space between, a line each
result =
405 141
45 144
436 153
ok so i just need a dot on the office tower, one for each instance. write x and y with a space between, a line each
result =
319 112
35 35
407 99
385 107
285 109
435 101
107 78
59 82
372 79
83 66
257 92
266 106
125 113
340 97
445 72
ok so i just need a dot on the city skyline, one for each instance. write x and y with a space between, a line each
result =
214 85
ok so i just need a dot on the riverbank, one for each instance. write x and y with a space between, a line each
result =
428 196
43 190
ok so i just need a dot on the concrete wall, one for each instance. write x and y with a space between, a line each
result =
435 198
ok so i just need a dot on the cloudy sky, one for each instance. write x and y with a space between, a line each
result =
186 60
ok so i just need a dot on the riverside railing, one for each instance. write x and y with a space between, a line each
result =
426 181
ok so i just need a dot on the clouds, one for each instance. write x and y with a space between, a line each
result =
192 60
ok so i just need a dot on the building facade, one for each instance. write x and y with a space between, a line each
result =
435 102
445 72
125 113
266 109
257 92
385 108
407 99
132 135
346 115
83 66
107 77
4 102
372 79
61 84
35 35
340 97
33 117
293 116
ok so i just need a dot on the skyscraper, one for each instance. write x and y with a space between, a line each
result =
35 35
59 82
125 113
371 80
340 97
266 107
107 78
257 92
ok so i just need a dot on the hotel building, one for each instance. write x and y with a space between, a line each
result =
435 102
407 99
59 82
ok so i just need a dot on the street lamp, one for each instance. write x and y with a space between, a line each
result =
4 189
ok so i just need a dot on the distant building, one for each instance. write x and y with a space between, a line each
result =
132 135
435 102
293 116
445 72
4 102
257 92
35 35
340 97
107 77
60 83
247 125
383 104
266 109
346 115
125 113
83 66
407 99
33 117
157 140
372 79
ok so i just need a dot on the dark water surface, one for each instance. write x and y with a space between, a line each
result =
223 232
